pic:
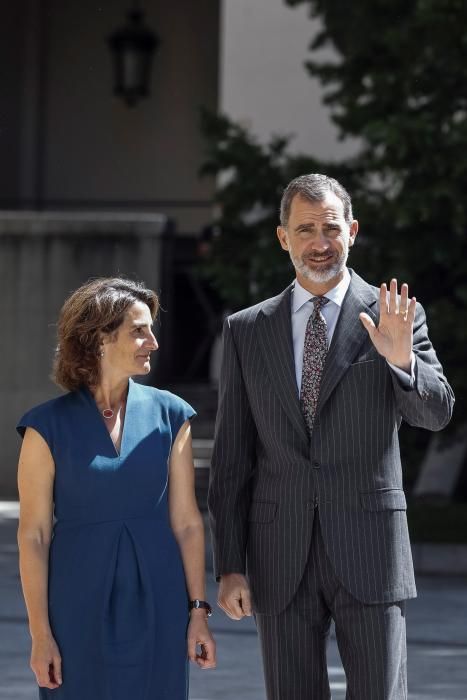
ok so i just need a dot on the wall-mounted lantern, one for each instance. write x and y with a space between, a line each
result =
133 47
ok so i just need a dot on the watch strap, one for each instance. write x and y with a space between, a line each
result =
197 603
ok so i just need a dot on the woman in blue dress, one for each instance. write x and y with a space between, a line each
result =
111 539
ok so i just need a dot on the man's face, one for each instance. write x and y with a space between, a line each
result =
318 238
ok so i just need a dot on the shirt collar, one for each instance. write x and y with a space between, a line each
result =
336 294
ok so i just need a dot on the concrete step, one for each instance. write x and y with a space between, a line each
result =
201 463
202 448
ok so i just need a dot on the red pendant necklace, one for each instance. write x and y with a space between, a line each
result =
109 413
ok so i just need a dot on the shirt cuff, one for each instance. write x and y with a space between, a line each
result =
407 379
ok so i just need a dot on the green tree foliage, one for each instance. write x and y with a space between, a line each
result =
399 84
247 263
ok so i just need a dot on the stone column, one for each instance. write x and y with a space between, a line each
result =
44 256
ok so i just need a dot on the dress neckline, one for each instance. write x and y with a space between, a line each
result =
90 397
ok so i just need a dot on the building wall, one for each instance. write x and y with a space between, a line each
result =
10 92
43 257
263 80
90 149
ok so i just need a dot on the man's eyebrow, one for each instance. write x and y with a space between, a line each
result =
311 224
301 227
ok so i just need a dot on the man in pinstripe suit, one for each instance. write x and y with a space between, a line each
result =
307 509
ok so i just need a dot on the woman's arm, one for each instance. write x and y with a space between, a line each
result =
36 473
187 525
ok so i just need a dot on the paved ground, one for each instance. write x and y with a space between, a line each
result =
437 635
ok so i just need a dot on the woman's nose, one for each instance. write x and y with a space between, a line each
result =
153 341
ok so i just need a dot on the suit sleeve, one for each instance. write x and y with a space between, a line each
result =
430 402
232 466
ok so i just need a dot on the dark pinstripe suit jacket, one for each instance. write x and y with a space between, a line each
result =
269 479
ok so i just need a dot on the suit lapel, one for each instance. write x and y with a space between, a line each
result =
276 342
348 336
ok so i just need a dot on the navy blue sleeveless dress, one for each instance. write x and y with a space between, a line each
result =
117 595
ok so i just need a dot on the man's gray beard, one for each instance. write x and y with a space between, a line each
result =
320 276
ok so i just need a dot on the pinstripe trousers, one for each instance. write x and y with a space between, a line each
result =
371 639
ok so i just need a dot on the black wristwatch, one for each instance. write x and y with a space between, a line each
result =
196 604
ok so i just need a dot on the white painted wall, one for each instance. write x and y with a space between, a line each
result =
263 80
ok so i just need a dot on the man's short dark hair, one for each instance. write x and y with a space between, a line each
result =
314 188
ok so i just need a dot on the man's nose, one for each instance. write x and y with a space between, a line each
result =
320 242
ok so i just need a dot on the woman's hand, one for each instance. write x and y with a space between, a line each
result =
46 662
200 637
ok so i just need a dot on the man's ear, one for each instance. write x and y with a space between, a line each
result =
283 237
353 232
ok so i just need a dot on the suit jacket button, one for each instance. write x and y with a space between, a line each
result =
316 464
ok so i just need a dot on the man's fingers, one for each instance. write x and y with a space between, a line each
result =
390 304
231 606
246 603
393 296
236 603
411 310
234 596
383 299
368 323
404 302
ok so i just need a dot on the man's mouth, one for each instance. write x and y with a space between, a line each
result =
319 261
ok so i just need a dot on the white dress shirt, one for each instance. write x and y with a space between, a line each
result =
302 308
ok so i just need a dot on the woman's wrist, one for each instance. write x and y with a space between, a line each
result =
42 633
198 618
197 604
200 612
39 627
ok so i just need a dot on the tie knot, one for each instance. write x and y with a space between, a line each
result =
319 302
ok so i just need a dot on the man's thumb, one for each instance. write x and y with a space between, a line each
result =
368 323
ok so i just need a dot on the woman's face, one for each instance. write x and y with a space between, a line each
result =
128 351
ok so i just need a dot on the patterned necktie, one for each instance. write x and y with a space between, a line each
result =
314 356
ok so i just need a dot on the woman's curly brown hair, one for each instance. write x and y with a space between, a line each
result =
95 309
